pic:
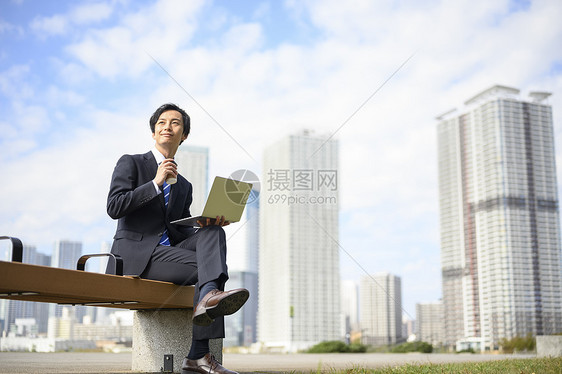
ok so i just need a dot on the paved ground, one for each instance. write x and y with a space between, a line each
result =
120 363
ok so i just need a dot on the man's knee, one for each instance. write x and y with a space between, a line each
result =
210 232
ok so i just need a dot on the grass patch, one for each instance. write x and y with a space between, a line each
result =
509 366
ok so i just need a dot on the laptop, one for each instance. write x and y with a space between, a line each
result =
227 198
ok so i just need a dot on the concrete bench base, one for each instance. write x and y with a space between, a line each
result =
164 332
549 346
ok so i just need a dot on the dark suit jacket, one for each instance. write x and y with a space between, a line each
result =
141 212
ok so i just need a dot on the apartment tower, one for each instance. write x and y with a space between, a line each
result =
299 283
500 225
429 322
381 309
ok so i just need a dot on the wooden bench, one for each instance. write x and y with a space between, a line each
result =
162 323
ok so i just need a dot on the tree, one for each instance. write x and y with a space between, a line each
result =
518 344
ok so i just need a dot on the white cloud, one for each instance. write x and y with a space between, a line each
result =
58 97
7 27
90 13
109 53
123 50
71 73
262 11
20 129
243 38
14 84
48 26
62 24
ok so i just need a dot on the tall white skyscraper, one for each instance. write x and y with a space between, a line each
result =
65 255
349 306
299 287
380 298
500 227
252 235
429 322
193 164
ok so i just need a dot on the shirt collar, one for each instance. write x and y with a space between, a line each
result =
158 156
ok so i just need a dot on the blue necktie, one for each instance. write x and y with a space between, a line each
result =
166 190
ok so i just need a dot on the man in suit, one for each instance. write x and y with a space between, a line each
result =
144 204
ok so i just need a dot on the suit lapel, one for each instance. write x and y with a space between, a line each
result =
150 164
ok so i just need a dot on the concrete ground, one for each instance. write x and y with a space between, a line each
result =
120 363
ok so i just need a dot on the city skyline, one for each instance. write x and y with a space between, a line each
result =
369 74
238 334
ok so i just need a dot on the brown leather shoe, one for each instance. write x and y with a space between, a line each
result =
219 303
205 365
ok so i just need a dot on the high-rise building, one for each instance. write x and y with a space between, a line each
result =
299 283
13 310
349 307
429 322
380 309
500 227
65 255
408 328
193 164
252 234
241 327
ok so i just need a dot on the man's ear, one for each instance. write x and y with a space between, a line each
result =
154 136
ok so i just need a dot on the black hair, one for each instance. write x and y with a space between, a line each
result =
165 108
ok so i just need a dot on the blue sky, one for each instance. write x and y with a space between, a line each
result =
77 85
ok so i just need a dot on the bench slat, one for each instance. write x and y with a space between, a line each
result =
28 282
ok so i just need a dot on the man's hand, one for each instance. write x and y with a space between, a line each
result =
217 222
167 168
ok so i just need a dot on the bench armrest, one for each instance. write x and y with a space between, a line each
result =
118 262
17 248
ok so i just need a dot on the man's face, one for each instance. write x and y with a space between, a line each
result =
168 130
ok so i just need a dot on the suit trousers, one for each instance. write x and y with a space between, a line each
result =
194 261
